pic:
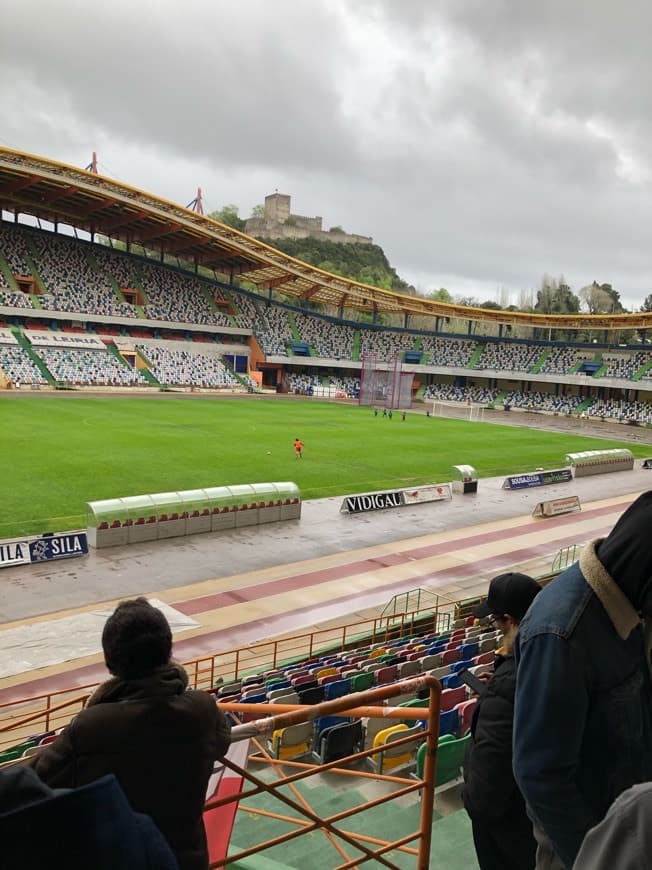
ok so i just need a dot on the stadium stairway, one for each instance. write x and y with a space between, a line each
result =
229 296
540 361
329 794
642 371
585 404
147 374
112 349
9 275
355 349
208 296
499 399
95 266
475 356
30 259
230 369
29 350
296 335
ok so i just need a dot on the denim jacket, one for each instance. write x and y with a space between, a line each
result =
583 716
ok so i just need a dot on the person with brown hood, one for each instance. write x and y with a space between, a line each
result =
144 725
583 717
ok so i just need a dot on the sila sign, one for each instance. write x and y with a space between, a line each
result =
43 549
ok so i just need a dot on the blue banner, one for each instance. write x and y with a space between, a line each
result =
43 549
51 547
523 481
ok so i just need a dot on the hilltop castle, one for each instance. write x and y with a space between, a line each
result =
279 223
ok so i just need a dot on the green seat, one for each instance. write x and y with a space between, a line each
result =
10 755
362 681
450 756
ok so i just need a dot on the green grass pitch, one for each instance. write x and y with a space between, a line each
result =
60 453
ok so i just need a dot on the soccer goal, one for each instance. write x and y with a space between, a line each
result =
458 411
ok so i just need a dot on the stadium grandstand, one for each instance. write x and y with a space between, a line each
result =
345 662
84 255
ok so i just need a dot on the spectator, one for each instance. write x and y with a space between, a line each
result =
73 829
623 839
502 831
583 718
144 725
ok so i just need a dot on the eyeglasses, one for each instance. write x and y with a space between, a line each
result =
495 618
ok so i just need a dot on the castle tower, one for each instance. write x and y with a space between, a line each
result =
277 207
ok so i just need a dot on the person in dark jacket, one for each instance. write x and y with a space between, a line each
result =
74 829
502 831
144 725
583 715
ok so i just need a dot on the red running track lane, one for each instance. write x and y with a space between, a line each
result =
351 569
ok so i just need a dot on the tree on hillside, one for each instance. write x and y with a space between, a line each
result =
601 299
556 297
526 300
647 304
358 261
258 211
228 215
441 295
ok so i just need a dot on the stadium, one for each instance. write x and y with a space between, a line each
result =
155 369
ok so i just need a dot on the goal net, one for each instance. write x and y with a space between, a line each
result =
458 410
384 383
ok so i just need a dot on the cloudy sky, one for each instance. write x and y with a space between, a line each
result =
482 143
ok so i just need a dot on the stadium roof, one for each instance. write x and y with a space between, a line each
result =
63 194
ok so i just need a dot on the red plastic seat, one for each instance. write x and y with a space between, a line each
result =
451 698
450 655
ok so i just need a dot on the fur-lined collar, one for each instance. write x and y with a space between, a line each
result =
618 606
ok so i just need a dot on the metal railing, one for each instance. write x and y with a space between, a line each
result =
354 848
50 711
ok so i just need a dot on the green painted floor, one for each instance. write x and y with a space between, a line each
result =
452 845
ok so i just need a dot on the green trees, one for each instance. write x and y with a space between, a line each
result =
228 215
441 295
556 297
601 299
358 261
647 304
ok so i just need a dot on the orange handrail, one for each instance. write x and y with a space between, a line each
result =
231 664
365 703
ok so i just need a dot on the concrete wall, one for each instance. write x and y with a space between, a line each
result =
266 230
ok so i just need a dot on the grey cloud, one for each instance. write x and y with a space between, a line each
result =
477 142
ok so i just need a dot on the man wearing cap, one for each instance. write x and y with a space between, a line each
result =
502 831
583 714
